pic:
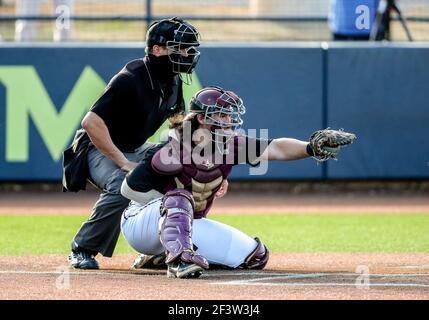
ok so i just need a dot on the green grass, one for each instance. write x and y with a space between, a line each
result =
40 235
338 233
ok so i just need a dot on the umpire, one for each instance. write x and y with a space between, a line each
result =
134 105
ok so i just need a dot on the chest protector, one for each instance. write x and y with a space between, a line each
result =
203 180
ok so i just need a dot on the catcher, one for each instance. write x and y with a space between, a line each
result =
173 189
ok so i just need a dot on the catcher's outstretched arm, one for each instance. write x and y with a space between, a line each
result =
323 145
286 149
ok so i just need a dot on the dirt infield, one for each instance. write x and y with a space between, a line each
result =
287 276
247 203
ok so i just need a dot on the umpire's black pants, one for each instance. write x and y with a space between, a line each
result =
101 231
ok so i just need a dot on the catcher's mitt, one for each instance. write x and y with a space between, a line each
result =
327 143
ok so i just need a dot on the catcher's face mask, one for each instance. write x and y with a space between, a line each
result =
222 111
225 115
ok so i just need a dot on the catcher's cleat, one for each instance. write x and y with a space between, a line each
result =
144 261
183 270
82 260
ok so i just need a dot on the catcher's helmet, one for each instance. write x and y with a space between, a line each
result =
217 105
181 40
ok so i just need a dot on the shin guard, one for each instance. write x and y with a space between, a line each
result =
177 208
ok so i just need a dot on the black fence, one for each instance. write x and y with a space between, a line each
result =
218 20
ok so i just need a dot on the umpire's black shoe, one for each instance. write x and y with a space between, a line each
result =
83 260
183 270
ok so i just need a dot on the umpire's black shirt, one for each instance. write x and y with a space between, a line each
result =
136 102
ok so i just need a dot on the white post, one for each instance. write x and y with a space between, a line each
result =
26 30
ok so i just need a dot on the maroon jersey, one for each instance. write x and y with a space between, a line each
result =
174 165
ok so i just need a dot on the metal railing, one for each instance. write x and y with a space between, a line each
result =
308 25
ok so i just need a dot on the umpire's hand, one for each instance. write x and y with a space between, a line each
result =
129 166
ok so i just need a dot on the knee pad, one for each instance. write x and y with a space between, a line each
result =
258 258
178 200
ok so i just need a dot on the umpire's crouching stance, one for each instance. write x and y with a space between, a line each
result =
131 109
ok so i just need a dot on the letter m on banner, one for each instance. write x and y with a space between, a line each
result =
26 97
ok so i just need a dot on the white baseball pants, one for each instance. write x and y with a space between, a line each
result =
217 242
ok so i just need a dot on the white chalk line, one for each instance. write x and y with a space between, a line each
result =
256 281
132 272
77 273
253 282
323 284
312 274
230 273
290 276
